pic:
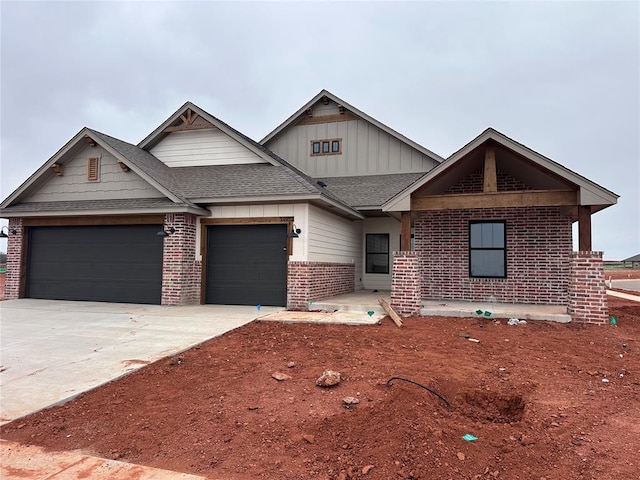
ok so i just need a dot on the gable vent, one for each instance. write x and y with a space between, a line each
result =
92 168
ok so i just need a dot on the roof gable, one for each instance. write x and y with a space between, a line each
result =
538 169
326 104
129 156
190 117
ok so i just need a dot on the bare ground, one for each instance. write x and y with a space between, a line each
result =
544 401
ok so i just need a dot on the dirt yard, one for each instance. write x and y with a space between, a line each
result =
545 401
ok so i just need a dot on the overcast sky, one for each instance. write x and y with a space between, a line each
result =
562 78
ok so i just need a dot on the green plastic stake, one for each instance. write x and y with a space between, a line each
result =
469 438
487 314
479 312
614 320
370 313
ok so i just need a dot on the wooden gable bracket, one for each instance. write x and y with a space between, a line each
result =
188 118
325 100
90 141
123 166
341 108
309 112
57 168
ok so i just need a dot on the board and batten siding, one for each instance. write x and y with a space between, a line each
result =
335 239
366 150
196 148
380 281
112 183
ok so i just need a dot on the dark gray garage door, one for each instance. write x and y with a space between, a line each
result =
246 265
95 263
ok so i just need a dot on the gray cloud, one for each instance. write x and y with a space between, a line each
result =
562 78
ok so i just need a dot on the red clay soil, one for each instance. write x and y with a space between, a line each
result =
545 401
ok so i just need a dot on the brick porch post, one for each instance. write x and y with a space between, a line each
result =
406 295
180 271
587 288
14 259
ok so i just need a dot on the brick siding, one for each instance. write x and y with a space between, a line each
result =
181 273
14 259
474 183
587 289
307 281
406 295
539 249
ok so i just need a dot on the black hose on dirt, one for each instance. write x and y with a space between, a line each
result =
420 385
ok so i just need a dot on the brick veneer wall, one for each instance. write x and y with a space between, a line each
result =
307 281
181 273
14 259
587 289
406 295
539 250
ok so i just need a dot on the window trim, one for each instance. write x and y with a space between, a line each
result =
367 253
320 143
503 249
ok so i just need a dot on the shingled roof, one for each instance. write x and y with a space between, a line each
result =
369 191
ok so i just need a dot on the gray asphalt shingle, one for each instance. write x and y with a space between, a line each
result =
369 190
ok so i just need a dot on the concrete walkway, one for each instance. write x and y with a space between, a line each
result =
35 463
51 351
626 296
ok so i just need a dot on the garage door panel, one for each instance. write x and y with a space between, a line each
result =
95 263
246 265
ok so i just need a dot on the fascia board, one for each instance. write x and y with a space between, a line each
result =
276 199
102 212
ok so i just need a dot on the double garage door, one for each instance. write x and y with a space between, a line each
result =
106 263
245 264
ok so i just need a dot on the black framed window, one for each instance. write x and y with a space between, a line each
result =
488 249
377 253
328 146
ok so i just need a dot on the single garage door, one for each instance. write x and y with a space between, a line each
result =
246 265
103 263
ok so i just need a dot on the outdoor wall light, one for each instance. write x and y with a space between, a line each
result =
4 232
165 233
295 232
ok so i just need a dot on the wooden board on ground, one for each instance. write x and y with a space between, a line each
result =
392 313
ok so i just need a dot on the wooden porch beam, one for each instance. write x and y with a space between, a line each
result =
490 177
405 231
520 198
584 228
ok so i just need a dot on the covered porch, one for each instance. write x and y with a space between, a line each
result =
367 300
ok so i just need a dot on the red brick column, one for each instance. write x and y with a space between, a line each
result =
14 259
406 295
181 272
308 281
587 289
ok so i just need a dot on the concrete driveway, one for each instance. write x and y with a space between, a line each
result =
626 284
51 351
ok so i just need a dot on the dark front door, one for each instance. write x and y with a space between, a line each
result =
103 263
246 265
